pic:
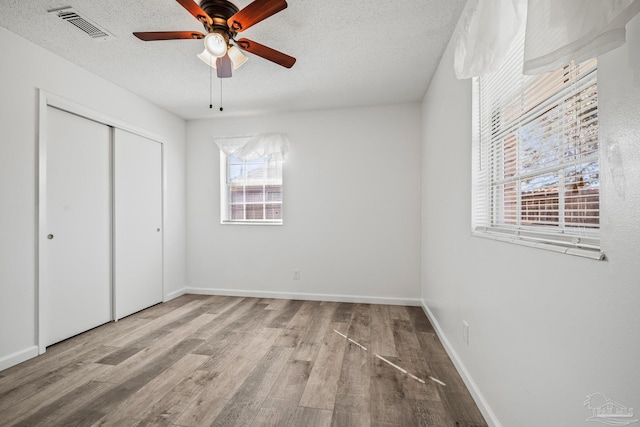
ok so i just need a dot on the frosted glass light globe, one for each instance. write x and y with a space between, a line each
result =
215 44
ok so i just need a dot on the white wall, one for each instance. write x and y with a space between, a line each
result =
25 68
351 209
550 328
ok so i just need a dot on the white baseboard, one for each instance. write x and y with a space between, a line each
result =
305 296
478 397
174 294
18 357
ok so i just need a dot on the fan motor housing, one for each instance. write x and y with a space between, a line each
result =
220 11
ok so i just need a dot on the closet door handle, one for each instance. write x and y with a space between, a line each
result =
50 236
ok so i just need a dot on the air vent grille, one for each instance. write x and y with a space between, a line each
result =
74 17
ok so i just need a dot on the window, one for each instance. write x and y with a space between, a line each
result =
536 168
252 190
251 178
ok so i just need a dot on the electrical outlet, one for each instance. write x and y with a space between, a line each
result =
296 274
465 332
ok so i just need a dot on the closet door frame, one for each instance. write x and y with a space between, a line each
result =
45 100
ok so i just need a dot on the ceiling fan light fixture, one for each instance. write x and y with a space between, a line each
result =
215 44
207 58
235 54
237 57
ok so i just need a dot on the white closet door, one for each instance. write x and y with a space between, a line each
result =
77 286
138 222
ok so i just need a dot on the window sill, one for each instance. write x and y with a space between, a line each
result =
569 250
251 222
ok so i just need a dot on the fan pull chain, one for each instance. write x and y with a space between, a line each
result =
210 85
221 109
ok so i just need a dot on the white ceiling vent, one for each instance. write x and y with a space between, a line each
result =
73 16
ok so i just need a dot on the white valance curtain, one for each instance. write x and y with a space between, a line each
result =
557 31
273 146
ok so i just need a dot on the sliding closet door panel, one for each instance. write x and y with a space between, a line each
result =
138 222
78 226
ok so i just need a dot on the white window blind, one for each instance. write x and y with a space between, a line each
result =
536 168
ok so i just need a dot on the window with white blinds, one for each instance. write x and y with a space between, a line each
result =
251 190
536 169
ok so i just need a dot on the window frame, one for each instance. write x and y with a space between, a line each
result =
225 196
484 214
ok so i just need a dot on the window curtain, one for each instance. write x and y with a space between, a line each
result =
561 31
272 146
484 34
557 31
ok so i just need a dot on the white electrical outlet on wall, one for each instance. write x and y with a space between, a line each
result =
296 274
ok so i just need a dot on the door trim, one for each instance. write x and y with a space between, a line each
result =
46 99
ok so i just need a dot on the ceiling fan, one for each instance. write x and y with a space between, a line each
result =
222 21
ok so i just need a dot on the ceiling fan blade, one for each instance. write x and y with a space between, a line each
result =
196 11
254 13
266 52
168 35
223 67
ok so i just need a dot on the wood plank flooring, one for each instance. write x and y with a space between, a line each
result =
226 361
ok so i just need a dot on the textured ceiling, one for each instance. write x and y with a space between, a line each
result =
349 53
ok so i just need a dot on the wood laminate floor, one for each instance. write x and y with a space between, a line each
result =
227 361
